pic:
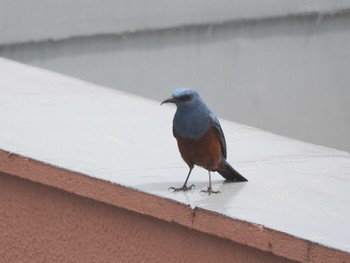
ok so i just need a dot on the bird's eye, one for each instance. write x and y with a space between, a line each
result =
187 97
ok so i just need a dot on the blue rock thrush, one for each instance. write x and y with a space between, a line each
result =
199 137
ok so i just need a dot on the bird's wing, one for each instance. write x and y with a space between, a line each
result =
216 124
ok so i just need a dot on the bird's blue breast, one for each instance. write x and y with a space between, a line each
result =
191 124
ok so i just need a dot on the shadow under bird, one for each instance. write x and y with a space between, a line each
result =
200 138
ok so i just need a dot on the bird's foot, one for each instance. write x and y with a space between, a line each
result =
210 191
184 188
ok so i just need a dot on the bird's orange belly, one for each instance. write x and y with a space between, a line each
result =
205 152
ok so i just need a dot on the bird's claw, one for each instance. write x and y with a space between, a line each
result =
210 191
184 188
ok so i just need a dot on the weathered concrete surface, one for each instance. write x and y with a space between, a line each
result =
296 188
42 20
287 75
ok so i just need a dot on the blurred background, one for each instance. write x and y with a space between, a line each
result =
279 65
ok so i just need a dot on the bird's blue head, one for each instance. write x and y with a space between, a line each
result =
191 119
185 98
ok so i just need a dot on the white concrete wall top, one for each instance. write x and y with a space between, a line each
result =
40 20
294 187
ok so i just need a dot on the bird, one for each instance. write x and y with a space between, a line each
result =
200 138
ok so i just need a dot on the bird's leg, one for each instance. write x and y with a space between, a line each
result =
209 190
184 188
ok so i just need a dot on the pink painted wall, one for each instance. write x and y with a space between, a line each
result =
43 224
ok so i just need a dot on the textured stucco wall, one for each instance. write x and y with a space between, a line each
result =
44 224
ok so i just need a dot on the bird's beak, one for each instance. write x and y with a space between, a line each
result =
172 99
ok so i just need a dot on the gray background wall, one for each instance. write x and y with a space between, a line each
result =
282 66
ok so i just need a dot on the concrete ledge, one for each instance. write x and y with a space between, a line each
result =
117 149
242 232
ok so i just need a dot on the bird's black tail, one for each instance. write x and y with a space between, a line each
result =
231 174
